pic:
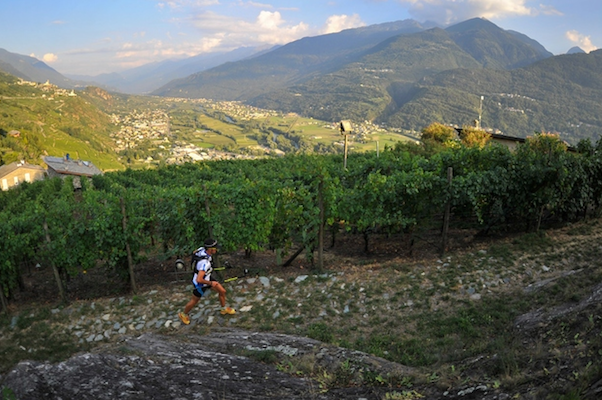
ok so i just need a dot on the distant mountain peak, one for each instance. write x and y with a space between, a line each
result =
30 68
495 47
473 24
575 50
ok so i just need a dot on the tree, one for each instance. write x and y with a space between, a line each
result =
438 132
474 137
437 136
541 177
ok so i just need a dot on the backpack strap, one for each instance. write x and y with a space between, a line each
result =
195 259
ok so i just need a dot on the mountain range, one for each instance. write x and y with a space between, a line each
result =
407 76
403 74
403 50
139 80
149 77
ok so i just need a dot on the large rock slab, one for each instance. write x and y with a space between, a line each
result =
152 366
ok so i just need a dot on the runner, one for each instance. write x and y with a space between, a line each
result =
203 281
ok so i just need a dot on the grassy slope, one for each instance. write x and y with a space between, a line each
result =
219 133
55 126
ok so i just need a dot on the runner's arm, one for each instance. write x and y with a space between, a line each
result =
200 278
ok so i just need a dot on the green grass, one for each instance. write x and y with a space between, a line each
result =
263 356
60 144
8 394
533 242
33 338
320 331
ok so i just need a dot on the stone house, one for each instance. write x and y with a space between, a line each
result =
16 173
66 166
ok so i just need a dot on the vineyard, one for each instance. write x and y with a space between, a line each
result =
292 204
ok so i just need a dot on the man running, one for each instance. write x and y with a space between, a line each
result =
203 281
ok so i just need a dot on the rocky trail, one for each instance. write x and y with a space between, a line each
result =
134 346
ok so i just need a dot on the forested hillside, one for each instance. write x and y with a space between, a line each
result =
559 94
361 89
494 47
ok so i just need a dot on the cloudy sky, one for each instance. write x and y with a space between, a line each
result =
100 36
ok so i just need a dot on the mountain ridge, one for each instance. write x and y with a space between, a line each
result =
494 47
398 86
148 77
32 69
287 65
560 94
403 61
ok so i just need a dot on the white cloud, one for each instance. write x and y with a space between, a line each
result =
268 28
272 29
549 10
178 4
132 55
337 23
584 42
202 28
450 11
47 58
50 57
221 31
267 20
255 4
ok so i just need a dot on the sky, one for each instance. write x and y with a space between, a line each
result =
90 37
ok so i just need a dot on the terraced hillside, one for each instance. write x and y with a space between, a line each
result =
52 121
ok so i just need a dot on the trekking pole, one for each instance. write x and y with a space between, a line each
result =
246 271
218 272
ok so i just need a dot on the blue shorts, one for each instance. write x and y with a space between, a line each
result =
200 291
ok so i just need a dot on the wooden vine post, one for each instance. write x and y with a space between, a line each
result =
127 247
55 270
321 226
446 216
209 226
4 300
208 211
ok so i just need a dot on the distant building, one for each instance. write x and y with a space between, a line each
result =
16 173
66 166
509 141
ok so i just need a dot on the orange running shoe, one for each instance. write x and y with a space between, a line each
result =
184 318
228 310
